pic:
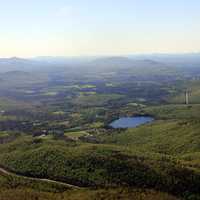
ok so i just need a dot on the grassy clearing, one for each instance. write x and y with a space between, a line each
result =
96 99
76 134
50 93
96 125
174 111
87 86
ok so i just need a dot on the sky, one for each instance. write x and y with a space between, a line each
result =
31 28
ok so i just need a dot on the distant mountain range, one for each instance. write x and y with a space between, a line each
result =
99 63
109 64
17 64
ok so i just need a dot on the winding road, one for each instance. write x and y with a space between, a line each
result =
6 172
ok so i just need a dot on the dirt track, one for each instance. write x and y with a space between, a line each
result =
4 171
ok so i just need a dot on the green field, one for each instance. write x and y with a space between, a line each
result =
174 111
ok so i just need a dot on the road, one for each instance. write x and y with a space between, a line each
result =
4 171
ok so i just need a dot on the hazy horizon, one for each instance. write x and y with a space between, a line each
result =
105 55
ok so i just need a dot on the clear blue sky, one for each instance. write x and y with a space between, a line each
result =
94 27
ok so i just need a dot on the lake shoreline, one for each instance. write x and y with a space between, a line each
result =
131 122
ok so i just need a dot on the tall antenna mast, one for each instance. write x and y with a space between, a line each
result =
186 97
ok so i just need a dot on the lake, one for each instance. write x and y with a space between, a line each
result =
131 122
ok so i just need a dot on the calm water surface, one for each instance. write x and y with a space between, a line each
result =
131 122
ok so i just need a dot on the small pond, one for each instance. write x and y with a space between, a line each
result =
131 122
